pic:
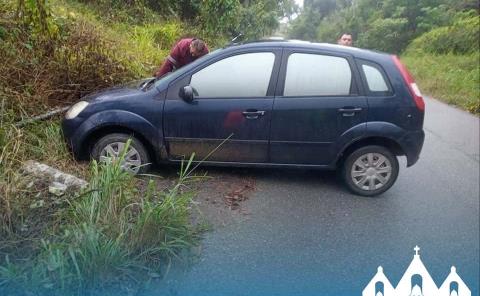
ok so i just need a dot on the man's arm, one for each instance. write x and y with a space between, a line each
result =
170 62
166 67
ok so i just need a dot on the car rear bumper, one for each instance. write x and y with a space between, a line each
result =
412 144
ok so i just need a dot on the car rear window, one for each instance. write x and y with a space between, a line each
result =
317 75
373 75
375 80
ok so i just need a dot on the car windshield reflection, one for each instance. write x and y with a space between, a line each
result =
197 61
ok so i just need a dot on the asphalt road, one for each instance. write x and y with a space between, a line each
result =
306 235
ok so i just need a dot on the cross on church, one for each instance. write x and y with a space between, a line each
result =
416 249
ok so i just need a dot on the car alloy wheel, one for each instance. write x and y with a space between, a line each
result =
370 170
131 162
110 147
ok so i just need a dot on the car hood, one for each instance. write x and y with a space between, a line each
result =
129 89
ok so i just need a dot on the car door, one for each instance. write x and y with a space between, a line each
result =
317 102
229 117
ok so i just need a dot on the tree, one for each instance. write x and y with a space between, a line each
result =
253 18
314 11
387 25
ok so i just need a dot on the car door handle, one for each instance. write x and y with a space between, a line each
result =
253 114
348 112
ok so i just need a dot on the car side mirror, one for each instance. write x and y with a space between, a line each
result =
187 93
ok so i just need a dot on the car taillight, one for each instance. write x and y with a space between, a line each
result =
412 86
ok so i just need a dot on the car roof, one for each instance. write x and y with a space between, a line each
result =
300 44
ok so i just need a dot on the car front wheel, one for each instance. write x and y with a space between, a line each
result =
370 170
136 160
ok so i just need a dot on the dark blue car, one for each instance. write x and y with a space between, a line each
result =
269 104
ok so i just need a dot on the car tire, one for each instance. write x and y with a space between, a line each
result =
370 170
137 158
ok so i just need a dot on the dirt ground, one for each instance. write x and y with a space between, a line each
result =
220 196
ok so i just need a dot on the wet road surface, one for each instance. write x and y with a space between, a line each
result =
304 234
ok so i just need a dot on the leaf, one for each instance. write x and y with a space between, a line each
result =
38 204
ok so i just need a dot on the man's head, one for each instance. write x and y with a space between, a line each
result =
197 48
346 39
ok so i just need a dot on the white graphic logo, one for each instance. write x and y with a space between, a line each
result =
416 281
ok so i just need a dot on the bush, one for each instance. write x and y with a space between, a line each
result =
38 72
166 35
454 79
385 35
460 38
220 17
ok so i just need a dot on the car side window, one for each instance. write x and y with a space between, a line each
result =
317 75
243 75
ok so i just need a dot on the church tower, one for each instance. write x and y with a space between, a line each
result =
416 280
454 285
379 285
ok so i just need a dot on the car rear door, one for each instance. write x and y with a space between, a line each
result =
233 100
317 105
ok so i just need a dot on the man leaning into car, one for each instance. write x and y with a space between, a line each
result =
184 52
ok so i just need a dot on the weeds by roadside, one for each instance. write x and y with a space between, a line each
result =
80 52
112 238
454 79
26 208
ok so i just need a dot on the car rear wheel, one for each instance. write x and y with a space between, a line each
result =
111 146
370 170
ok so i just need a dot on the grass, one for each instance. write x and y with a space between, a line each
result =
111 239
454 79
88 49
27 210
143 40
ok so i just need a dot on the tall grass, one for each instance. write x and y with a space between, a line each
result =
27 211
112 238
9 150
446 61
86 51
452 78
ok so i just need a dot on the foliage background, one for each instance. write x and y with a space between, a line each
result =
386 25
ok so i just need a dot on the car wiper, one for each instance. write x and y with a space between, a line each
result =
147 84
233 41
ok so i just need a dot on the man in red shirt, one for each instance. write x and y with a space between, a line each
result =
184 52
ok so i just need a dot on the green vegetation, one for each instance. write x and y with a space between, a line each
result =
461 37
112 238
454 79
445 62
386 25
108 240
